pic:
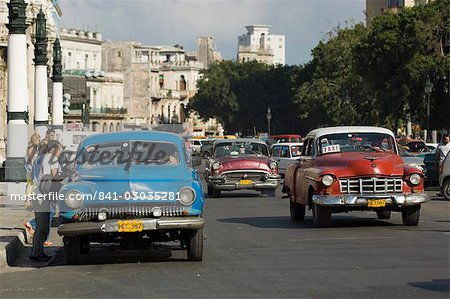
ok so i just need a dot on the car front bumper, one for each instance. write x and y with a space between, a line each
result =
360 200
111 225
271 183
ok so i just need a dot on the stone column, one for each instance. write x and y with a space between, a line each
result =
57 106
40 77
17 111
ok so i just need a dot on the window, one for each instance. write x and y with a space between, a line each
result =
182 83
285 152
119 54
276 151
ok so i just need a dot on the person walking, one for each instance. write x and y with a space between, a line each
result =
50 167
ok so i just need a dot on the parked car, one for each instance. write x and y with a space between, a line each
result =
353 168
285 154
133 188
238 164
444 178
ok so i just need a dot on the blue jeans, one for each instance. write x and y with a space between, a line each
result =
33 221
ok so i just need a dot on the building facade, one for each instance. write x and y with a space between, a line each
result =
260 45
93 92
376 8
158 80
206 51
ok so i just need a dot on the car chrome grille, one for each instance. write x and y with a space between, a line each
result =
371 185
244 175
127 212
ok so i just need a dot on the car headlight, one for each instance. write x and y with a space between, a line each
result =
215 165
74 199
414 179
186 195
273 165
327 180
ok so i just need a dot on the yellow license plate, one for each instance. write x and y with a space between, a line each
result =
376 203
130 226
245 182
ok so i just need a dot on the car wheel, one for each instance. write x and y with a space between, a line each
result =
321 216
445 189
384 214
270 192
411 215
72 250
209 190
216 192
195 245
297 211
85 246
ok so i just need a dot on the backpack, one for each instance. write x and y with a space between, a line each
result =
37 168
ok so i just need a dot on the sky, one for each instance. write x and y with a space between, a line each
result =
170 22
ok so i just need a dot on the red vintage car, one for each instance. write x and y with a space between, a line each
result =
237 164
343 169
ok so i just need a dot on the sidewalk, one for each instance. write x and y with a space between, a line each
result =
15 243
13 236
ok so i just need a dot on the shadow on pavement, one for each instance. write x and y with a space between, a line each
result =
437 285
286 222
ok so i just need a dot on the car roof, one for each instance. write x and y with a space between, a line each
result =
348 129
288 143
132 135
218 141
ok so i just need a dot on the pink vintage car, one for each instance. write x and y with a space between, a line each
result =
353 168
237 164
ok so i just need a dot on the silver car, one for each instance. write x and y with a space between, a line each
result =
444 178
285 154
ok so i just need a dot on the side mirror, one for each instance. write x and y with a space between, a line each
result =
196 161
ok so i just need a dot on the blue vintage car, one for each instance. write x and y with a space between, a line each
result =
132 188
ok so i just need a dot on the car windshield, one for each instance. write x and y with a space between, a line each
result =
240 149
356 142
129 152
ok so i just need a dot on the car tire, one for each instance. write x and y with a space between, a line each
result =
445 189
384 214
209 190
85 246
297 211
72 250
321 216
195 245
269 193
411 215
216 192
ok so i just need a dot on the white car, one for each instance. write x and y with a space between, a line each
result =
285 154
444 178
196 145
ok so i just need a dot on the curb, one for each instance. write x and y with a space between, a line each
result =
13 243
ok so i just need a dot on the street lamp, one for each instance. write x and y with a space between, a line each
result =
428 88
269 117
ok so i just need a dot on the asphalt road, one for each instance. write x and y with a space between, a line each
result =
253 250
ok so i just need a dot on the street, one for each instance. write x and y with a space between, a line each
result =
252 249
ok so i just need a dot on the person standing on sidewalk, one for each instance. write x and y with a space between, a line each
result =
50 167
442 150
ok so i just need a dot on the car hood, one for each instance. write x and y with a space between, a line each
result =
362 164
248 163
137 178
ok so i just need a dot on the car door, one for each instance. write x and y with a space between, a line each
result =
301 180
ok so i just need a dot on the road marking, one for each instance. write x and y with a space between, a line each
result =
333 239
